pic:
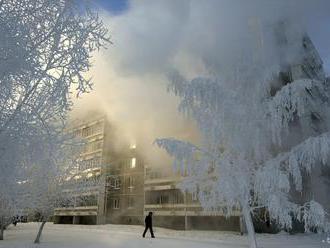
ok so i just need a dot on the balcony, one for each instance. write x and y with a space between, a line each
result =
192 209
76 211
162 180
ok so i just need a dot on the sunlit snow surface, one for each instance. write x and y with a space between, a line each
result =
122 236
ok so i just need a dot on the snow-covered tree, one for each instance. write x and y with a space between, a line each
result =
6 211
258 142
46 181
17 156
45 52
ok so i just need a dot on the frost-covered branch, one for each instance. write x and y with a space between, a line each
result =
45 51
255 148
297 100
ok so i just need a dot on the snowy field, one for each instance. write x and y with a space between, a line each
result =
122 236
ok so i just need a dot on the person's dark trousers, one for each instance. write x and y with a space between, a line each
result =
151 231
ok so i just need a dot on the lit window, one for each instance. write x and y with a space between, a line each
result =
133 146
133 162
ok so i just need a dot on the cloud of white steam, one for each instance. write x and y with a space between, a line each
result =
153 38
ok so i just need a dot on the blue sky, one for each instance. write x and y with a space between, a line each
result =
114 6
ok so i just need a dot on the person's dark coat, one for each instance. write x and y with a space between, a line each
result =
148 225
148 221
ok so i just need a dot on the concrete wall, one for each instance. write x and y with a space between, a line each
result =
214 223
198 222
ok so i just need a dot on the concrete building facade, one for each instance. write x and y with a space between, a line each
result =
173 208
118 173
125 182
90 161
125 191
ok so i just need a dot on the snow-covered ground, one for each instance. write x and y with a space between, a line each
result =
123 236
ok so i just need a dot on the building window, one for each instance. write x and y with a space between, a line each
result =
132 146
115 203
92 130
130 202
133 162
93 146
87 131
195 196
97 128
117 183
177 197
90 163
98 145
130 182
162 199
77 133
316 122
285 77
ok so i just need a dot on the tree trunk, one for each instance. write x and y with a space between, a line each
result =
249 227
2 227
37 240
1 231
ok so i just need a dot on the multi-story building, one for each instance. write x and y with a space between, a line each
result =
125 182
114 175
124 191
90 161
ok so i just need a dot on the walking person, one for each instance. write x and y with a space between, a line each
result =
148 225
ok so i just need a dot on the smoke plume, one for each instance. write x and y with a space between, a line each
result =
153 38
